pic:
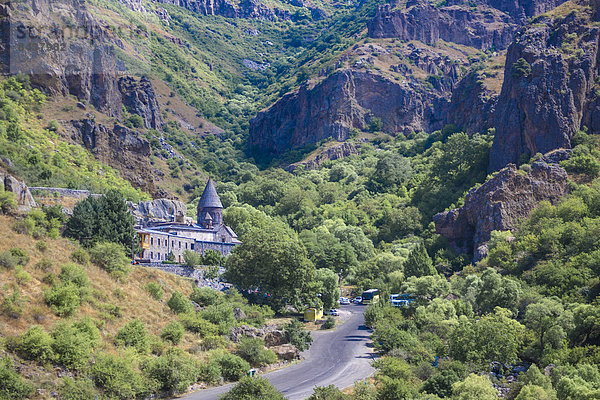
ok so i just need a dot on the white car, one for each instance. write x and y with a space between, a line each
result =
344 301
333 312
357 300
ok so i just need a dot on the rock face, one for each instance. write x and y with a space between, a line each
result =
500 204
139 98
10 183
161 209
550 87
344 150
245 9
346 99
272 335
472 105
119 147
491 24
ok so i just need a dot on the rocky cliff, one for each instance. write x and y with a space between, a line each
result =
472 105
139 98
159 209
225 8
550 86
500 204
22 194
346 99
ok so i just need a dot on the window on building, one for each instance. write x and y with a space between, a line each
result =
192 246
186 245
151 255
158 254
166 256
179 244
172 243
151 241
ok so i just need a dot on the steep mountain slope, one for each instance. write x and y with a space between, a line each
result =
550 84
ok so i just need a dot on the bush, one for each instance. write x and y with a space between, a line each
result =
13 387
173 332
117 377
80 256
205 296
155 290
22 276
110 257
175 371
72 346
36 345
232 367
63 299
179 303
220 314
329 323
295 334
7 202
73 273
44 264
134 334
41 246
191 258
209 372
521 68
13 257
253 350
13 305
76 389
253 388
193 322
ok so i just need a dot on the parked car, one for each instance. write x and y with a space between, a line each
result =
333 312
344 301
358 300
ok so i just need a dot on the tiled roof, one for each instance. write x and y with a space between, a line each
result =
210 198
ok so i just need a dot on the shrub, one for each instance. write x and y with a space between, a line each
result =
253 388
219 314
22 276
233 367
253 350
175 371
117 377
193 322
212 342
205 296
520 69
295 334
44 264
110 257
36 345
155 290
191 258
13 257
76 389
73 273
73 347
87 326
80 256
7 202
13 387
209 372
134 334
173 332
41 246
179 303
13 305
63 299
329 323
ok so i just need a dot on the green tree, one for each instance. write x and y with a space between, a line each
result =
295 334
174 371
13 386
134 334
275 262
253 350
36 345
474 387
328 393
179 303
419 263
173 332
191 258
111 258
253 388
549 320
328 287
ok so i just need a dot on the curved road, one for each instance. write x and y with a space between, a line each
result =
338 358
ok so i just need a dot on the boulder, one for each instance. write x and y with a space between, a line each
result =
500 204
286 352
25 200
159 209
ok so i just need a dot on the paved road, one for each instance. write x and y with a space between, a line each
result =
338 358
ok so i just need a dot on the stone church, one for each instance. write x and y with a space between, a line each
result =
159 239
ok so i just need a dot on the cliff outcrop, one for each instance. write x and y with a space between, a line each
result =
244 9
159 209
472 105
346 99
23 197
500 204
139 98
550 87
489 24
